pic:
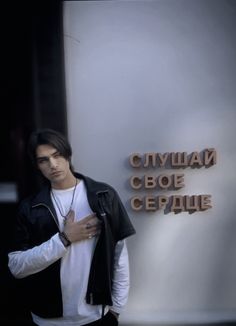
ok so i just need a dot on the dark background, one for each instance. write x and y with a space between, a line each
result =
33 96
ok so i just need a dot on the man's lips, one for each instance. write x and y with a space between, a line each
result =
56 173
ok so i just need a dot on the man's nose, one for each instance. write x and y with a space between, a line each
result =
52 162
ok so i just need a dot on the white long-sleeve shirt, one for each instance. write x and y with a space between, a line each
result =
75 266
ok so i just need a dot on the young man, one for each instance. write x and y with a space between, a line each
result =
70 248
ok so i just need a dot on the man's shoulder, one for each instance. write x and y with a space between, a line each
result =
33 198
95 185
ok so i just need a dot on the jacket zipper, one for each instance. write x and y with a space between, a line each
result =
42 204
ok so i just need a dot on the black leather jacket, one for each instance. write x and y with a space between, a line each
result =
37 223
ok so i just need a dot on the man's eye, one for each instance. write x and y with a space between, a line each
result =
42 160
57 155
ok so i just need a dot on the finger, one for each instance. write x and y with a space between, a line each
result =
89 225
94 229
93 222
88 218
92 235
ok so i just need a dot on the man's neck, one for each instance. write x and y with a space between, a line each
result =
68 182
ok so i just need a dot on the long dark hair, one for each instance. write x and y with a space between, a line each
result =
49 137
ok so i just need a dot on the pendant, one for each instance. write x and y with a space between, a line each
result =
66 216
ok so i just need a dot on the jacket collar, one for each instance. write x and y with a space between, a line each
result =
93 188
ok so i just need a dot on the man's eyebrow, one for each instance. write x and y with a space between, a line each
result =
41 158
45 157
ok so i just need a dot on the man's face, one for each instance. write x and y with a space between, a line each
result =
52 164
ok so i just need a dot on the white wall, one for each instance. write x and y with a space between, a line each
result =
160 76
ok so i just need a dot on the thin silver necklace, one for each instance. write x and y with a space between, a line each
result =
72 200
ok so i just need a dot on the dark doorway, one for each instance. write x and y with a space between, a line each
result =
33 96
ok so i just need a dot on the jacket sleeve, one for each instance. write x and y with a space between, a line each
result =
121 221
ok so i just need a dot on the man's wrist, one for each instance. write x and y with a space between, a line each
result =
64 239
